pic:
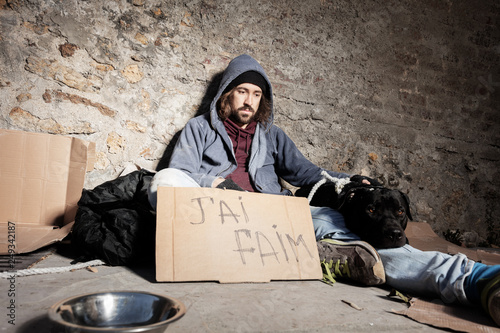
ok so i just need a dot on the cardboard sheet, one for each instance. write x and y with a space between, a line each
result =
41 181
456 317
422 237
208 234
436 313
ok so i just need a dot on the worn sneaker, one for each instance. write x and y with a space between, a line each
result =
490 298
354 260
482 286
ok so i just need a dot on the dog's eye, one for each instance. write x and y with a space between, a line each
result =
371 209
401 211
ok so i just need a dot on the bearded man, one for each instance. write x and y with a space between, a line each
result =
236 146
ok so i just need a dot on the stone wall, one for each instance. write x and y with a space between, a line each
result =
404 91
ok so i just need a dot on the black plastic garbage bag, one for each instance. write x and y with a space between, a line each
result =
115 222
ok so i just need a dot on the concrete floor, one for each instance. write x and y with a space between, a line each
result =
291 306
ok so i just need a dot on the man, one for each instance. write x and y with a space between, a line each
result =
236 146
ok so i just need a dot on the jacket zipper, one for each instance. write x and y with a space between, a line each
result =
229 167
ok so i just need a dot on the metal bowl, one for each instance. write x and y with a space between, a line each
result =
117 311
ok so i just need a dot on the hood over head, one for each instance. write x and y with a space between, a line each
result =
232 77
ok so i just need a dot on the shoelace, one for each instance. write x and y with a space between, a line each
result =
339 271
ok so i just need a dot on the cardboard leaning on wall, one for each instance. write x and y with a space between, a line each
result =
41 181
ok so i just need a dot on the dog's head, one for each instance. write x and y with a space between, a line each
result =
377 215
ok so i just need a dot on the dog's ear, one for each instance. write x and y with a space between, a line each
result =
407 205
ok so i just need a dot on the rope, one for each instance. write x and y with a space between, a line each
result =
37 271
339 184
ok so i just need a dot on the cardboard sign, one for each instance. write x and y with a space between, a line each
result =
41 181
206 234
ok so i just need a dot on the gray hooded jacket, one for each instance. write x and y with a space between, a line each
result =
204 150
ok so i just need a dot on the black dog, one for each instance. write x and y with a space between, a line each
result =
378 215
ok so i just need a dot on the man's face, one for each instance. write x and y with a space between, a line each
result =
245 102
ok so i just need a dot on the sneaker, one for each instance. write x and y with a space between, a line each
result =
490 298
354 260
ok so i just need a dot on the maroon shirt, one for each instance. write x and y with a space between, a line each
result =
242 141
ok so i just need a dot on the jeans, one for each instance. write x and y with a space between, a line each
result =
407 269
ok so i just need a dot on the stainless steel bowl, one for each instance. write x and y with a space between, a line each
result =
116 311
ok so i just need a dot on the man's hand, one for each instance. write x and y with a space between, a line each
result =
229 184
365 180
217 181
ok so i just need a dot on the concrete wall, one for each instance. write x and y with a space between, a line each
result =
404 91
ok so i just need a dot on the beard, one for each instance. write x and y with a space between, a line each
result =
240 117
